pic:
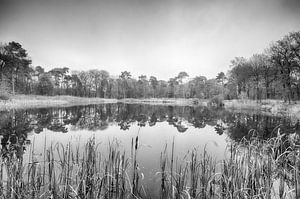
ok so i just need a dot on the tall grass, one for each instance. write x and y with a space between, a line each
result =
254 169
251 169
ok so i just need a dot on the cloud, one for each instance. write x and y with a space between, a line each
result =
146 36
291 5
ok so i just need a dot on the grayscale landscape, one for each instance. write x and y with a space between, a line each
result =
143 99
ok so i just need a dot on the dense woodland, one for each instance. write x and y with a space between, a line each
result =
273 74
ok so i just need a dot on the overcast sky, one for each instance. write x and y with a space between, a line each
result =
152 37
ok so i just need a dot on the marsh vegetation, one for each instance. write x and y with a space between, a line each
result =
252 169
118 153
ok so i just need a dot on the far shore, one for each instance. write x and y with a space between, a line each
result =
266 107
37 101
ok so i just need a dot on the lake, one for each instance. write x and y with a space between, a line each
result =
156 126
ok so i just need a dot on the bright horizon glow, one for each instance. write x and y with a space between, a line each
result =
157 38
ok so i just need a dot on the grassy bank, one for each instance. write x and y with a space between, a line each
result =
251 169
267 107
166 101
36 101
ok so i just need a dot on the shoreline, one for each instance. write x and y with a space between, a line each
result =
266 107
38 101
166 101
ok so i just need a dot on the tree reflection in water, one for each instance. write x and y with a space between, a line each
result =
14 129
15 125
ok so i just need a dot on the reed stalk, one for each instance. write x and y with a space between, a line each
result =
253 169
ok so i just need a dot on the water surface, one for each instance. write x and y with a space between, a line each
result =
156 126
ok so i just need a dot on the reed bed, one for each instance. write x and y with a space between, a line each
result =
250 169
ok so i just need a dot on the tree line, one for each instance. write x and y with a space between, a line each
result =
17 75
273 74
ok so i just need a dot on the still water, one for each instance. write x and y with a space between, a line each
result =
156 126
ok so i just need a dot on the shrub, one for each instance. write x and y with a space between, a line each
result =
4 91
4 95
216 101
45 86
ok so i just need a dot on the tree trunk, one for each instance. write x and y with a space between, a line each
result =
96 94
13 83
2 75
257 91
298 92
267 90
